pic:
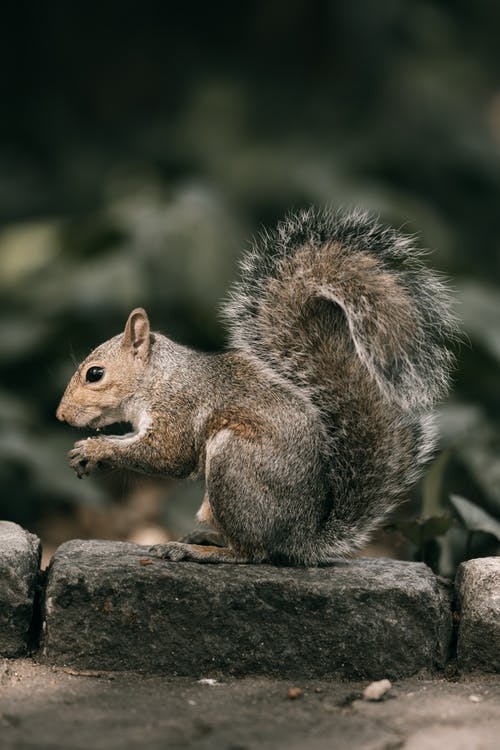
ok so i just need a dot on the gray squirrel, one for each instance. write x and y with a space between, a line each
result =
316 420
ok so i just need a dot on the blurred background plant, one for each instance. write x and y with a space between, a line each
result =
141 146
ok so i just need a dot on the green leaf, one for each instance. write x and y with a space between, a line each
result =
411 530
435 526
422 530
432 496
475 518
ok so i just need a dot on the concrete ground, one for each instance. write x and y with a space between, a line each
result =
47 708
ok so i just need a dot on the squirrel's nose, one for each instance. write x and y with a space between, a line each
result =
60 413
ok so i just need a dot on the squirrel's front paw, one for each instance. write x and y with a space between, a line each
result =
85 456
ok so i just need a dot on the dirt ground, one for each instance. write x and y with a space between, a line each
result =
55 708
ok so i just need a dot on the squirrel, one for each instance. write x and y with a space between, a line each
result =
318 417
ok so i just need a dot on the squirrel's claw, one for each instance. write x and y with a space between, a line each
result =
80 459
79 464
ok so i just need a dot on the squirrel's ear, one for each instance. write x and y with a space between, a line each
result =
136 336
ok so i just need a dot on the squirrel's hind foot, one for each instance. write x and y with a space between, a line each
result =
201 553
204 537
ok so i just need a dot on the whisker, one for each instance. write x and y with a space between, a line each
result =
72 354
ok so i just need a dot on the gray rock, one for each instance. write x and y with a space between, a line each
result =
108 607
478 590
19 563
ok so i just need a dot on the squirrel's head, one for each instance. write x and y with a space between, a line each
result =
102 389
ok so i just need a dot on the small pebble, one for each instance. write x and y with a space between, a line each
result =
294 693
375 691
475 698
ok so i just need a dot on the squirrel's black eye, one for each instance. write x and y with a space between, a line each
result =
94 374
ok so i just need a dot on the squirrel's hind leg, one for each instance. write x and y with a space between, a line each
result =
209 536
204 537
201 553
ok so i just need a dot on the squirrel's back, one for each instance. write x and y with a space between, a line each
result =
345 311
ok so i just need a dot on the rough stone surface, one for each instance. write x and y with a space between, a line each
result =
19 562
478 590
109 605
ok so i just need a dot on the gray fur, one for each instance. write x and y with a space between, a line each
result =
318 420
414 372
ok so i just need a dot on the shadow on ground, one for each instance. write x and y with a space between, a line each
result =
43 707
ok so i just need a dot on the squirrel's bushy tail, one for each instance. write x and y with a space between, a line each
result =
321 273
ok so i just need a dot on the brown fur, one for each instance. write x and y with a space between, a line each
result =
205 514
317 421
241 422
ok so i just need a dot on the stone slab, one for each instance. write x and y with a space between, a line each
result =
109 605
478 593
19 564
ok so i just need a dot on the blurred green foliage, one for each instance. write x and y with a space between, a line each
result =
142 145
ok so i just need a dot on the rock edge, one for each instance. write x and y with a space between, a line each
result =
478 592
20 554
